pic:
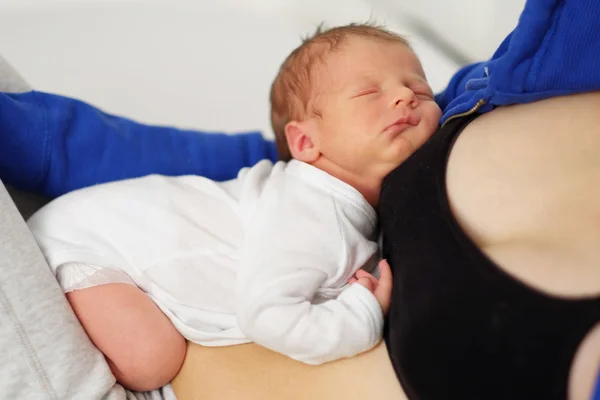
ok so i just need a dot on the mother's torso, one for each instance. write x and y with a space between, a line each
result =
493 234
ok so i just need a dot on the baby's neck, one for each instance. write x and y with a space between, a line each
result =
368 186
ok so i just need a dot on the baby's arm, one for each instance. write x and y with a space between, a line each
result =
293 247
275 311
141 345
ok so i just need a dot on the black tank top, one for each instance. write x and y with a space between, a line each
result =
461 328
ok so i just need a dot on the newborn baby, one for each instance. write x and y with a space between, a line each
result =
281 255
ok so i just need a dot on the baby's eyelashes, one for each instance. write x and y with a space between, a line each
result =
420 92
423 93
365 92
424 96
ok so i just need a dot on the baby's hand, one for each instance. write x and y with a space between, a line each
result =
382 288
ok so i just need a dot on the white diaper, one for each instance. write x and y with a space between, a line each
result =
77 276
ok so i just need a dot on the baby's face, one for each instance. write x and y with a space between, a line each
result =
376 107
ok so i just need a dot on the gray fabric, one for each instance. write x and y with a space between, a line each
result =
44 350
10 80
165 393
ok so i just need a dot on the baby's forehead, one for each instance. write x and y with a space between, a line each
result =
367 55
356 66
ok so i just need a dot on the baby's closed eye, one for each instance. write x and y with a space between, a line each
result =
365 92
422 91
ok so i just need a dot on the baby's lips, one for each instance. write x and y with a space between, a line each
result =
408 119
414 119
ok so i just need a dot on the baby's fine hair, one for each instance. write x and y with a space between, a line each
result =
292 89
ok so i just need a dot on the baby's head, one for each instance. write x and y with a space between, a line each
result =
353 101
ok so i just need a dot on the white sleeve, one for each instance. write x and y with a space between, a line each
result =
293 246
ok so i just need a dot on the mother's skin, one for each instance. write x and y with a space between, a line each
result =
523 183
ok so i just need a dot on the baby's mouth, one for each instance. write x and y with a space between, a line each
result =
403 123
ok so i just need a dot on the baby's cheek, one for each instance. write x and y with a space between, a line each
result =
437 112
347 120
432 117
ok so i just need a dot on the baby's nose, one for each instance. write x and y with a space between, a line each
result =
405 97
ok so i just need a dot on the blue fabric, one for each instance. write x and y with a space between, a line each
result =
596 394
553 51
52 145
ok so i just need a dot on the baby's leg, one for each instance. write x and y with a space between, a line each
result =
141 345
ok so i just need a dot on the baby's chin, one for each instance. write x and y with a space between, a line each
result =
403 149
394 162
427 129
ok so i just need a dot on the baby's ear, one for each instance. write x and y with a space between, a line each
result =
302 140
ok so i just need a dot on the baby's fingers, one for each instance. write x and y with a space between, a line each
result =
364 274
383 292
361 272
385 272
366 282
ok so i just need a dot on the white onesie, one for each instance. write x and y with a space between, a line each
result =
265 257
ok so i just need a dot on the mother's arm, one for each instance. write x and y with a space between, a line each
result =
251 372
51 145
